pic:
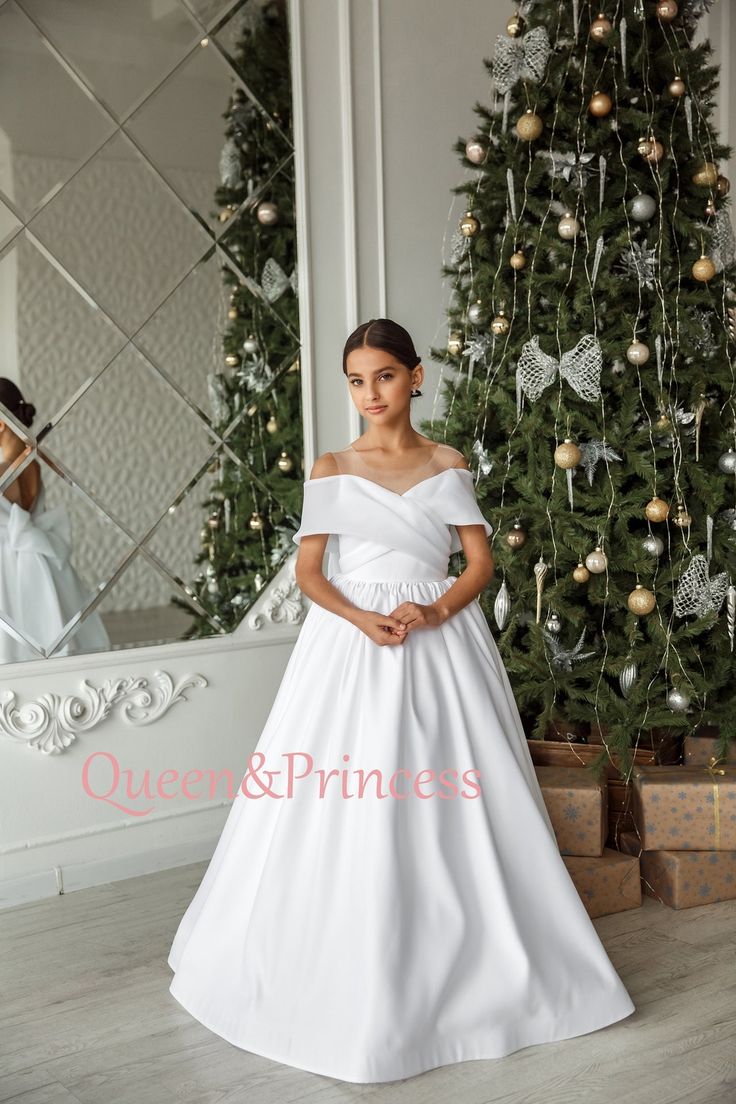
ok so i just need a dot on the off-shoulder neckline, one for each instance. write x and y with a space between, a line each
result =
397 494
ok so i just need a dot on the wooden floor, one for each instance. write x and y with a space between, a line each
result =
86 1016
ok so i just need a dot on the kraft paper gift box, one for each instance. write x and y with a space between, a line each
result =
608 883
578 808
682 879
682 808
699 748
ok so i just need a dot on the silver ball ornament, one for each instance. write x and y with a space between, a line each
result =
678 701
642 207
637 353
596 561
475 151
653 545
727 462
553 624
475 312
568 227
267 213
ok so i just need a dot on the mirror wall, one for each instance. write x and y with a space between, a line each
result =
149 320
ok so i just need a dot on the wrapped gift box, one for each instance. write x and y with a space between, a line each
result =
699 748
681 808
682 879
608 883
578 808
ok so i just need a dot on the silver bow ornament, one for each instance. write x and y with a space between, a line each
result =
581 367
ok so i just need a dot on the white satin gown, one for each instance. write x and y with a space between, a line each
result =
372 938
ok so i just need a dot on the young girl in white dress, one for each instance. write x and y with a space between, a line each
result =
399 902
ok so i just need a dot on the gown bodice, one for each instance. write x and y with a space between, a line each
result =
390 525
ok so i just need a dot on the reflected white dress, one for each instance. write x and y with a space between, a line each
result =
372 938
40 590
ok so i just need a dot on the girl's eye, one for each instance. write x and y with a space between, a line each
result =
385 375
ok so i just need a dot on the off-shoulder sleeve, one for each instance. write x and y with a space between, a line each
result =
462 508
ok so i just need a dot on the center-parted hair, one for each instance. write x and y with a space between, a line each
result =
385 334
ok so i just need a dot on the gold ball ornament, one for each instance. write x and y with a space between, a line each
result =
666 11
232 313
580 573
677 87
529 126
213 521
568 227
596 561
469 224
256 521
500 324
600 104
723 185
515 26
567 455
683 518
226 213
706 175
517 260
284 462
600 28
272 425
651 149
703 270
232 360
637 353
710 208
517 537
662 423
657 509
641 601
455 343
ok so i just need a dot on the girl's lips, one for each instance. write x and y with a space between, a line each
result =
375 409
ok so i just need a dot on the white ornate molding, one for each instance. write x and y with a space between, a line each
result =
51 722
282 602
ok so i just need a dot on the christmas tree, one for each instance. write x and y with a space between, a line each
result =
253 502
591 340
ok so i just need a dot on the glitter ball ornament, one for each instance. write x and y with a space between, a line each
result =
637 353
567 455
727 462
666 11
677 87
469 224
596 561
600 104
517 260
641 601
580 573
657 509
500 324
678 701
529 126
600 28
267 213
517 537
642 207
515 26
455 343
703 269
475 151
651 149
706 175
568 227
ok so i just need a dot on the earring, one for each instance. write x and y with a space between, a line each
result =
415 393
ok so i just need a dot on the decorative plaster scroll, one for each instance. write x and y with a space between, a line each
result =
52 722
282 603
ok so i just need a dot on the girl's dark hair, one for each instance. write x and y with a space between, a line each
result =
12 399
383 333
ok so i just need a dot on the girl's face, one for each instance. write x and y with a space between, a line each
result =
380 385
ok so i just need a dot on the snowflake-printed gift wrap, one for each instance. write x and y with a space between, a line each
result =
700 748
682 879
578 808
684 808
608 883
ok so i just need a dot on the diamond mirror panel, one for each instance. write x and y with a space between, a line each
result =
150 403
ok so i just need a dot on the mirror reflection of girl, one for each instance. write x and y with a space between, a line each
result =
40 591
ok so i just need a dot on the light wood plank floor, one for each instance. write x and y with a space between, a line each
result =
86 1016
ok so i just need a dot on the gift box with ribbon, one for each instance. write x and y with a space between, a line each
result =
578 808
682 879
685 808
606 883
700 748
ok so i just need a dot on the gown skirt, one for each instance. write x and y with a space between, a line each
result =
427 919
